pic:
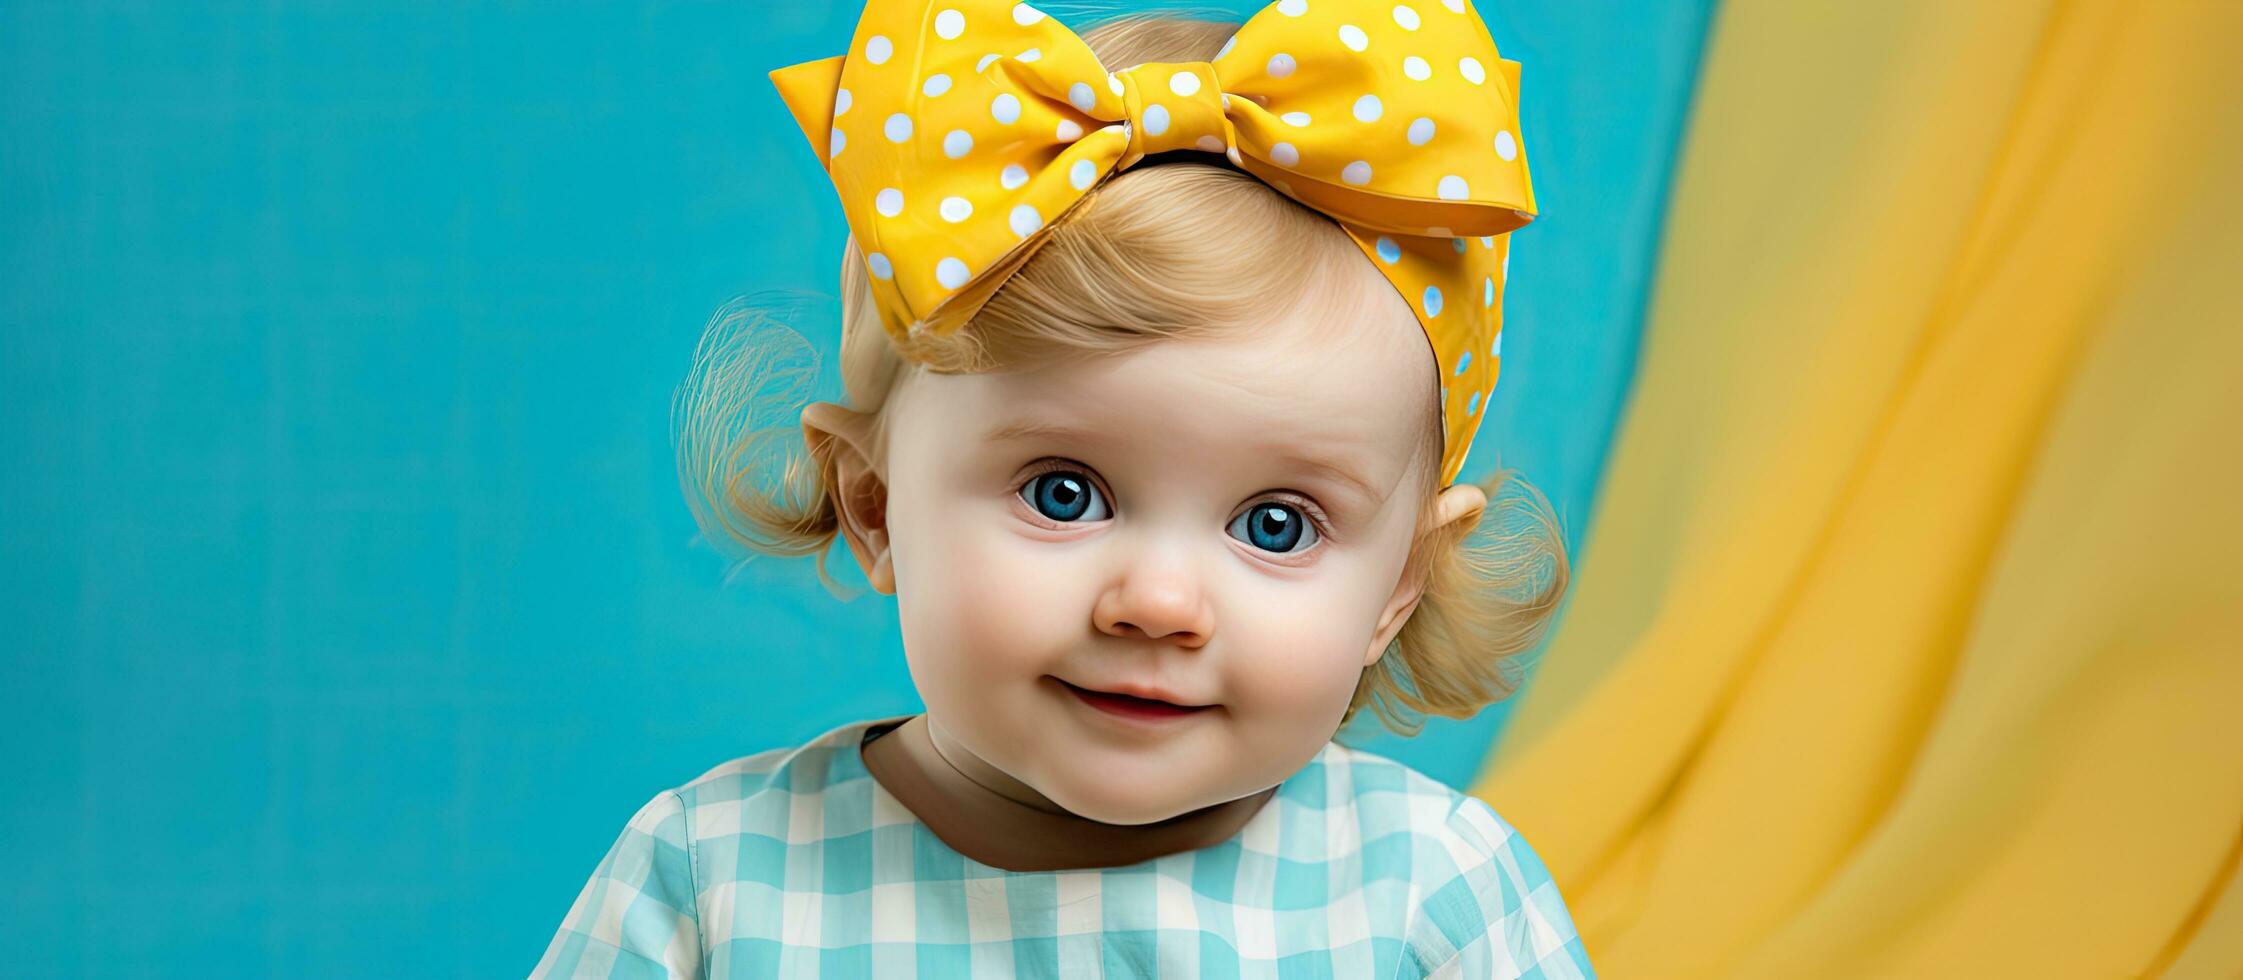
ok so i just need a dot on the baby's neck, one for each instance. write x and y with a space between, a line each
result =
1002 832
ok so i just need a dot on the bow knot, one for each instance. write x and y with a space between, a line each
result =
1172 105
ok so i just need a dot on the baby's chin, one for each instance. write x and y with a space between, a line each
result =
1127 795
1113 803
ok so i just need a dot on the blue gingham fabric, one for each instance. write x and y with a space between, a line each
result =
797 863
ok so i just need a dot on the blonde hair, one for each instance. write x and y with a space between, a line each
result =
1185 248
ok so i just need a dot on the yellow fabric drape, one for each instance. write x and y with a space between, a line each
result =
1908 637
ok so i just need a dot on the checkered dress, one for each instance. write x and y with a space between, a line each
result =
796 863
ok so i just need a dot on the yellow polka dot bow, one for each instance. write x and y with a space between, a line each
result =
957 131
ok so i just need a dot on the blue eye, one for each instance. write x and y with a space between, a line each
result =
1065 495
1274 527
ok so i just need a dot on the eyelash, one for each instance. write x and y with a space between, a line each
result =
1306 506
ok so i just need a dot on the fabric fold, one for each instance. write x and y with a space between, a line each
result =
1908 635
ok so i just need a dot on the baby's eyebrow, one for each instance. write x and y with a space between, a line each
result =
1040 430
1336 472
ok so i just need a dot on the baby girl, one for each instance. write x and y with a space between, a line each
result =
1159 380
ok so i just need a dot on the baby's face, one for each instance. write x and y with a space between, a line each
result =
1224 521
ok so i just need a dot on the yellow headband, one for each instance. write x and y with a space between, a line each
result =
957 131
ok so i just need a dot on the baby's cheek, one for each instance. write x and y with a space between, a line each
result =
1299 658
1004 603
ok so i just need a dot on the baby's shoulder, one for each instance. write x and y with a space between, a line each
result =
1386 795
767 793
1483 903
1412 825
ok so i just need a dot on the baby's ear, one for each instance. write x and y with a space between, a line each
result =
859 491
1462 502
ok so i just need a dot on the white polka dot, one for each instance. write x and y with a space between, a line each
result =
1458 242
1081 97
1210 144
1232 154
898 128
1295 118
1406 17
949 24
1463 360
1069 131
1184 83
1227 45
1013 176
833 148
1506 145
1388 251
1495 347
1156 119
1006 108
1453 188
1281 65
1487 241
1353 37
1506 265
1421 131
1292 8
1284 155
1082 173
1432 301
1416 68
888 202
1470 66
877 48
956 209
1357 173
983 64
951 273
1487 290
1472 407
1368 109
1031 54
880 267
1114 82
1025 15
1455 6
1025 220
936 84
842 101
957 143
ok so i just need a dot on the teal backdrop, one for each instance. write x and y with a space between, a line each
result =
351 604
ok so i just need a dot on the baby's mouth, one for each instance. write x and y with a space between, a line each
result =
1130 706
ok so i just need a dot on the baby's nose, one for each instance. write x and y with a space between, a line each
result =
1160 599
